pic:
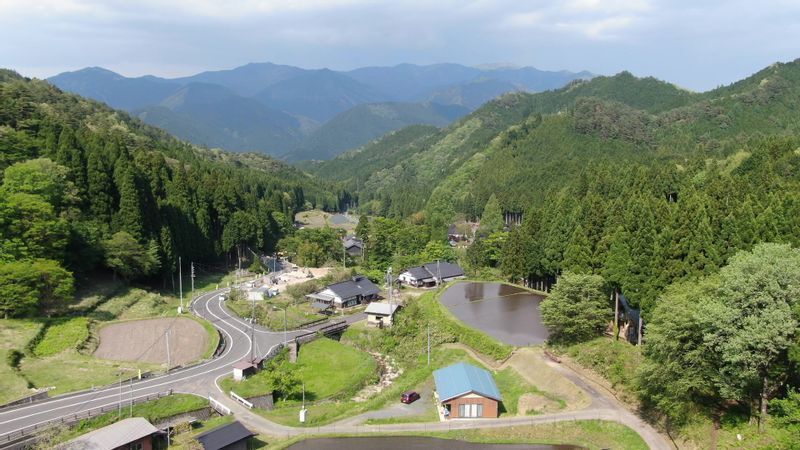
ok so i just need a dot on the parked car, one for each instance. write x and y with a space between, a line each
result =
409 397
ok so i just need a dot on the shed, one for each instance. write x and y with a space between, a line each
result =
381 314
244 369
353 246
233 436
135 432
466 391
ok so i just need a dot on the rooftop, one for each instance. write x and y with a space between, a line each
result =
433 269
115 435
224 436
358 285
461 379
380 308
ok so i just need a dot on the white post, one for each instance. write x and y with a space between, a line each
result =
429 344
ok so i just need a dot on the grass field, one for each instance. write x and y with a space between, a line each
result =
591 434
14 335
61 335
511 386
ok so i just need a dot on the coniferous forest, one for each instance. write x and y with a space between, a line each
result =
88 188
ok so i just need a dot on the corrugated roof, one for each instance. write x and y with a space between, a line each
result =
115 435
381 308
223 436
461 379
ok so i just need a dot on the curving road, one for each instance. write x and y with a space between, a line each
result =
201 379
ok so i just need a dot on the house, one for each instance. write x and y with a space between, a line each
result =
348 293
428 275
233 436
466 391
454 234
244 369
381 314
135 433
353 246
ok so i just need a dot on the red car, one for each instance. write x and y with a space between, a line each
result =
409 397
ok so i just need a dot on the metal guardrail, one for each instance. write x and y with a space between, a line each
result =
242 400
73 418
219 407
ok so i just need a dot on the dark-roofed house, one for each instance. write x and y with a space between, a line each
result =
233 436
353 246
135 433
466 391
345 294
428 274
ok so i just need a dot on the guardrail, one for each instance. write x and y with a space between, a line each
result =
242 400
73 418
219 407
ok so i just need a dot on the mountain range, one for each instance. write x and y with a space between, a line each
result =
299 114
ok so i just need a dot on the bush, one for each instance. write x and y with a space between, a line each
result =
62 335
13 358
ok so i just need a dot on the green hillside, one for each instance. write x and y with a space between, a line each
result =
85 187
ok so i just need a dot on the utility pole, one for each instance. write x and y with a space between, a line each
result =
192 278
169 359
389 278
180 284
639 336
438 274
131 386
119 402
616 314
253 334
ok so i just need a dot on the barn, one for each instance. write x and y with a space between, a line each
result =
466 391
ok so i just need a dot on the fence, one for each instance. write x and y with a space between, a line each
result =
219 407
73 418
241 400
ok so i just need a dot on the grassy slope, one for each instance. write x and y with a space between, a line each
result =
591 434
14 335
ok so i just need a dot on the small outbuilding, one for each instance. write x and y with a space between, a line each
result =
466 391
244 369
353 246
233 436
381 314
133 433
348 293
431 274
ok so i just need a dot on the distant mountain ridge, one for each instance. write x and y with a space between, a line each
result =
298 113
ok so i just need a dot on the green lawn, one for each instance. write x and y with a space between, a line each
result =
253 386
328 368
511 386
71 371
62 335
591 434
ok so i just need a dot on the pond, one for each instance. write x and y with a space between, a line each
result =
507 313
412 443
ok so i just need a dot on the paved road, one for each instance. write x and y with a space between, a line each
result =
202 380
199 379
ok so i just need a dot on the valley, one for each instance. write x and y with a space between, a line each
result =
643 240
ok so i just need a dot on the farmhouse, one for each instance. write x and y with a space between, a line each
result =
353 246
466 391
135 432
427 275
233 436
381 314
348 293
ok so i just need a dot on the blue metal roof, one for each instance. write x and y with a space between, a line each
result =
462 378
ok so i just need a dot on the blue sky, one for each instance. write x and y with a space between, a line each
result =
695 44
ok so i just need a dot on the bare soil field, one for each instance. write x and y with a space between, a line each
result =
143 340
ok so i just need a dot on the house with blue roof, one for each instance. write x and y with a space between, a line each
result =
466 391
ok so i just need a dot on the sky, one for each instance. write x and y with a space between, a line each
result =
696 44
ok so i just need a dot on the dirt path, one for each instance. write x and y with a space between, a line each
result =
144 340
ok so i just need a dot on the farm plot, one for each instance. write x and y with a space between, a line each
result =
144 340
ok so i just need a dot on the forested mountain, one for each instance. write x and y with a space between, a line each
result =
211 115
85 187
617 174
364 123
282 106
